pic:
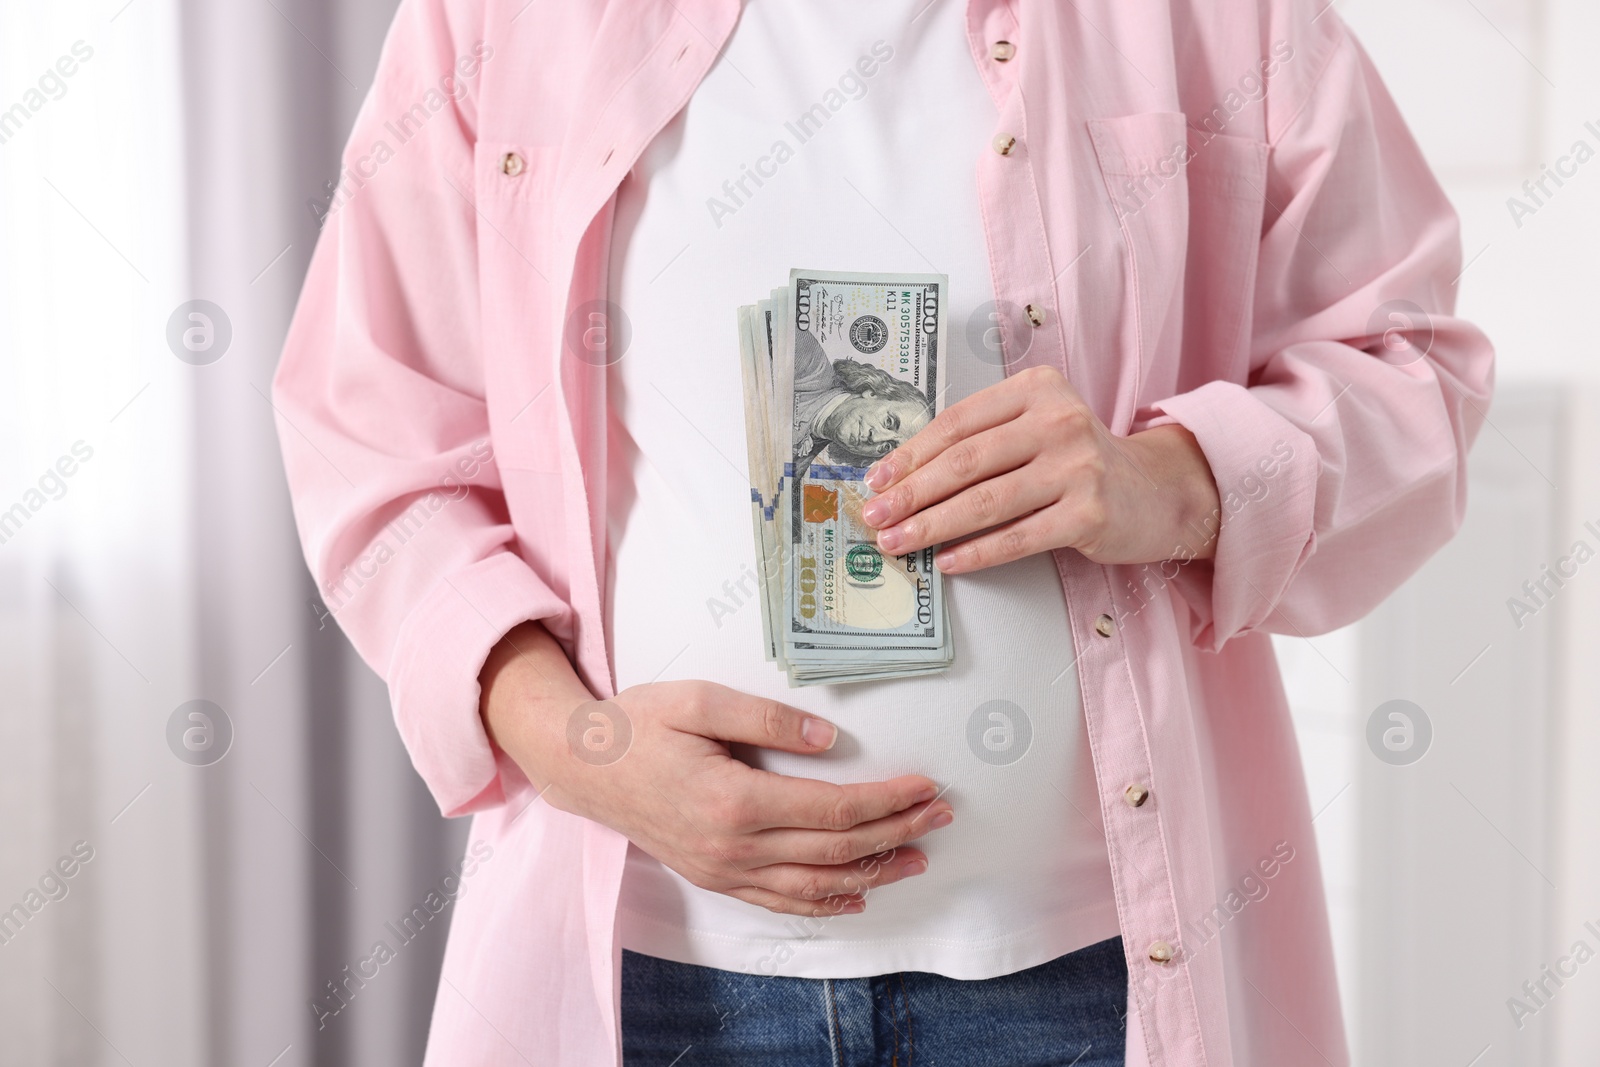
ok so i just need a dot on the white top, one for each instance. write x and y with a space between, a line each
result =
881 178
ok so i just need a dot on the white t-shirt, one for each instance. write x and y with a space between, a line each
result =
879 175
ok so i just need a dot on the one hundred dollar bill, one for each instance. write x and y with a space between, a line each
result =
839 368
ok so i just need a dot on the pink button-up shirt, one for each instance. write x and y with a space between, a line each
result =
1219 218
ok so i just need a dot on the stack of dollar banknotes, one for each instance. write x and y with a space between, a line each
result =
838 369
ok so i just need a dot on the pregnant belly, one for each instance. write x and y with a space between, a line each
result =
1001 732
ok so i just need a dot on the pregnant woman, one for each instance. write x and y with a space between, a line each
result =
1203 384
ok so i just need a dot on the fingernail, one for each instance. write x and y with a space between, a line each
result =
943 560
879 475
924 794
912 868
875 512
819 734
855 907
944 818
891 539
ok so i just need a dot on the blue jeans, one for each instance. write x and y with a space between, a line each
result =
1066 1013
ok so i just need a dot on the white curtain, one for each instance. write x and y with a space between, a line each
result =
96 594
153 154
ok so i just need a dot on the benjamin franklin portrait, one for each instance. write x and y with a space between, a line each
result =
849 413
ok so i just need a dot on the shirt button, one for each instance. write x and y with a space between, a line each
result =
1161 952
511 164
1103 626
1002 51
1136 795
1004 144
1035 314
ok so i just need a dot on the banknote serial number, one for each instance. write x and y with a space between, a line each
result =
904 311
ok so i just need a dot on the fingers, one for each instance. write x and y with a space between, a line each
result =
976 459
727 715
793 845
831 848
989 503
1032 533
981 411
799 881
812 909
799 871
813 872
777 800
813 891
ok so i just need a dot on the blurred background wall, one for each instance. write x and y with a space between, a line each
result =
239 862
231 857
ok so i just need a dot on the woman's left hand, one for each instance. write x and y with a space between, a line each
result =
1029 463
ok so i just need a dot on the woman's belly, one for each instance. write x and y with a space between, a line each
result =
1018 878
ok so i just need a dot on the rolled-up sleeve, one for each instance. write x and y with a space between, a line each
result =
381 414
1342 459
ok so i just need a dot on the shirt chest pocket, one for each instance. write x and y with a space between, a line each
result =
1189 206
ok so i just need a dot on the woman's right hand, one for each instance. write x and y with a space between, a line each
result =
653 764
